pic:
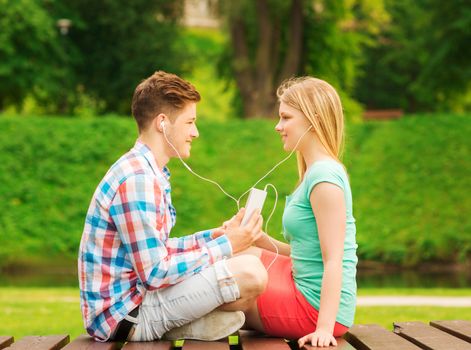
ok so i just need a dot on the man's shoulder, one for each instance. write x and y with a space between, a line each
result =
128 165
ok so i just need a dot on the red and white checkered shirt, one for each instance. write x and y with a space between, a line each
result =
125 247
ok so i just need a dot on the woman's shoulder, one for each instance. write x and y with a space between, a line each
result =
326 170
325 167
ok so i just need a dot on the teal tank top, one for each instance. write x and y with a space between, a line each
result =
300 230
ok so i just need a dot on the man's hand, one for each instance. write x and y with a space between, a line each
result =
218 232
242 237
319 338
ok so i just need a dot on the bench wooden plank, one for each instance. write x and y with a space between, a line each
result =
85 342
250 342
203 345
264 343
5 341
342 344
50 342
154 345
375 337
383 114
429 337
458 328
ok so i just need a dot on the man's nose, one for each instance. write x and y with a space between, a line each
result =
195 132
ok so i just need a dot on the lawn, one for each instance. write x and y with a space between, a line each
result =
42 311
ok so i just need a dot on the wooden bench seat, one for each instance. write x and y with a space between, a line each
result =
439 335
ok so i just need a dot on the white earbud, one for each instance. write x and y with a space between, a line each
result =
162 125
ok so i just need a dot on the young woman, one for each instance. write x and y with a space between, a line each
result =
311 291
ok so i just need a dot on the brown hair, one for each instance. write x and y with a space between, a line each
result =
161 93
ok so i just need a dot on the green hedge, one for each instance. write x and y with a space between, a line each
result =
410 181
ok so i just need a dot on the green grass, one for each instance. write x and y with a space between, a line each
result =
385 316
43 311
40 311
437 292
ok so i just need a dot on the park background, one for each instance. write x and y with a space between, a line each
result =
67 73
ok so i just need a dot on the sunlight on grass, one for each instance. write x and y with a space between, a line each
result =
437 292
46 311
385 316
40 311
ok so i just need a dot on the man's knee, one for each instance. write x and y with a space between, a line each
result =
251 275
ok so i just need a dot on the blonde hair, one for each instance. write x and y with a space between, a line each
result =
320 104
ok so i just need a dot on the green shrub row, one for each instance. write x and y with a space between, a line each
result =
410 181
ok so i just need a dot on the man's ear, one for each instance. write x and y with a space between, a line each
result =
159 122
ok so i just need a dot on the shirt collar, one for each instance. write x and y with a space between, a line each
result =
146 152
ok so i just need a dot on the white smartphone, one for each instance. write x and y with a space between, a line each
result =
254 201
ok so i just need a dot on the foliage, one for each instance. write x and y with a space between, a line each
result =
420 62
121 43
205 46
109 48
407 178
30 54
337 33
329 44
336 37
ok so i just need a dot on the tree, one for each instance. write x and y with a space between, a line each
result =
447 73
263 50
110 47
421 60
30 52
122 42
271 40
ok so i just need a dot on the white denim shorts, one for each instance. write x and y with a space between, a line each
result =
176 305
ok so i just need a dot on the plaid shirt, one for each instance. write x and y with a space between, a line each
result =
125 248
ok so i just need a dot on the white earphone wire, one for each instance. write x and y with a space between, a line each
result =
256 183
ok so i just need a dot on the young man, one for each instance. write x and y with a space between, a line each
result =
138 284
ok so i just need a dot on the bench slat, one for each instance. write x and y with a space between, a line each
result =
458 328
429 337
375 337
5 341
250 341
203 345
264 343
342 344
50 342
85 342
154 345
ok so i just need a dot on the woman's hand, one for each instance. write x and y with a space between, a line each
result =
320 337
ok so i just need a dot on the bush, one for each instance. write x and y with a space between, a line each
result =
409 179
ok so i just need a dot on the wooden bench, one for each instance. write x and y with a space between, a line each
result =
382 114
439 335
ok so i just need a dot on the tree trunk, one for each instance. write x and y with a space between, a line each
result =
257 80
295 48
